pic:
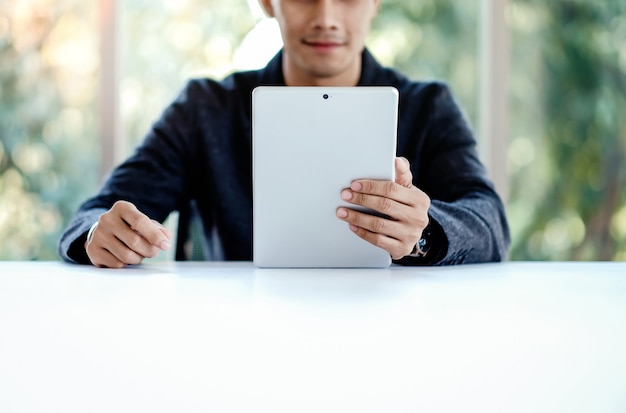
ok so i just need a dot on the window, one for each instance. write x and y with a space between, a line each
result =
166 42
564 145
48 79
567 153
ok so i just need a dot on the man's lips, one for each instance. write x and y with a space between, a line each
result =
323 44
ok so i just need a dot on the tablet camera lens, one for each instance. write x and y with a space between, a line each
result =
325 96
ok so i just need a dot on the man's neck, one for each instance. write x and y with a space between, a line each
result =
298 78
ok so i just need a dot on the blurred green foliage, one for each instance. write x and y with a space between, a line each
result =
167 42
568 88
568 134
48 143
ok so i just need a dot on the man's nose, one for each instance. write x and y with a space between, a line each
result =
326 15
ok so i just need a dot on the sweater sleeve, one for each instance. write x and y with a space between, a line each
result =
153 178
466 213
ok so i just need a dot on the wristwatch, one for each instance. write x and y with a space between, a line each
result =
423 245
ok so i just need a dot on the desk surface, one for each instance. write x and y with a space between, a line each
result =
226 337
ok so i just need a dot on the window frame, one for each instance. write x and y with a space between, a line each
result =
111 134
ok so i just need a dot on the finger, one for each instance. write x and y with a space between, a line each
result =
136 242
100 256
104 259
113 233
122 243
126 254
396 248
114 243
393 209
362 223
374 224
404 176
386 189
147 228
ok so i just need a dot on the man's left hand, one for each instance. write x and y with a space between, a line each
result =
404 204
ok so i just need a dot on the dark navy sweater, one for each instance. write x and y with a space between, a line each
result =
199 152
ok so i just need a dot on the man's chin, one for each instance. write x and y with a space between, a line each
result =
324 73
326 68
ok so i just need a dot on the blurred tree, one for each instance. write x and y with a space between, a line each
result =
569 193
167 42
432 39
47 145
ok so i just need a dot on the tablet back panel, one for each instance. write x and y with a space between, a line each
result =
309 143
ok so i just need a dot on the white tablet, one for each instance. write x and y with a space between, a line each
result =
308 144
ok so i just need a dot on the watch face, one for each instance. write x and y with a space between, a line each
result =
423 245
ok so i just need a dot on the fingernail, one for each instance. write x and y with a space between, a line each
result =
342 213
346 195
354 228
164 245
356 186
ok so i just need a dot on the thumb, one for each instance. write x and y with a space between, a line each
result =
404 176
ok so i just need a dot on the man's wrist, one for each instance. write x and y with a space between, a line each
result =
90 234
423 245
434 244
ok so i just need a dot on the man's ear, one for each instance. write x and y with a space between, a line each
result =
267 7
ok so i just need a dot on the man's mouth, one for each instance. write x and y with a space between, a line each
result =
323 45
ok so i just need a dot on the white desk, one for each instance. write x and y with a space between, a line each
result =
216 337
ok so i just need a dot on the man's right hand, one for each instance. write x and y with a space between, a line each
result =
125 236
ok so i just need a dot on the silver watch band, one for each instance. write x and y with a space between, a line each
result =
422 247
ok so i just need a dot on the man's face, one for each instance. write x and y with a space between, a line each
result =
323 39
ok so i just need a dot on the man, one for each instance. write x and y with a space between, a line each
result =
442 208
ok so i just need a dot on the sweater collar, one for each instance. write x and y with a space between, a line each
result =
371 71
